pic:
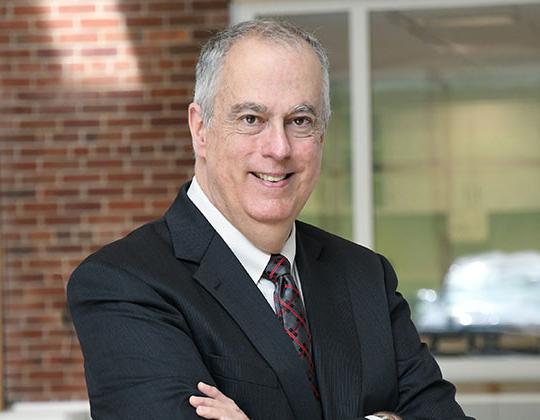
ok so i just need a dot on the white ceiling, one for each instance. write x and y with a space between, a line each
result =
489 43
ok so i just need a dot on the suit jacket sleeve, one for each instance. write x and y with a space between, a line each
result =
126 330
422 392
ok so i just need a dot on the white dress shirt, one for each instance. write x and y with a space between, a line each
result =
253 259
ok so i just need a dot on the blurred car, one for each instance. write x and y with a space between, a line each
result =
490 293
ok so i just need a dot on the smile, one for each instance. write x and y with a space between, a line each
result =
271 178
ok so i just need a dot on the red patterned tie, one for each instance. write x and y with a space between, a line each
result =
290 311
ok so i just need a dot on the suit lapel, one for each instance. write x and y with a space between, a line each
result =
336 347
222 275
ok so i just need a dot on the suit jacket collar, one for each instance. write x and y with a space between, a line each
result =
222 275
336 351
190 232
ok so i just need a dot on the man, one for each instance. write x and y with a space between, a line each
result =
226 308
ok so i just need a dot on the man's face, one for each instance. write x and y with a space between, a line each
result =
261 156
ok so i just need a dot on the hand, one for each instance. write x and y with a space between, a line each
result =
387 415
215 405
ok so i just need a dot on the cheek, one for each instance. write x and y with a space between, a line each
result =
311 156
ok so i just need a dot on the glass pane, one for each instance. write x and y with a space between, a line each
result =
330 204
456 151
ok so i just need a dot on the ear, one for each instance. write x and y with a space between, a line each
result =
197 129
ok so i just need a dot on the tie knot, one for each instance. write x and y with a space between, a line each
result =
276 267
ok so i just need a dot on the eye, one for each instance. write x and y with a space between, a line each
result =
300 121
249 119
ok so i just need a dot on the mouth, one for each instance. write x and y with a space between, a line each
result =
274 178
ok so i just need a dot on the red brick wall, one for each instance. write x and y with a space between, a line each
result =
93 142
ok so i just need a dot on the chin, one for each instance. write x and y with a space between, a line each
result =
272 215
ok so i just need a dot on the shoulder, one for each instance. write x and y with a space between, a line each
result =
136 247
353 260
132 260
333 245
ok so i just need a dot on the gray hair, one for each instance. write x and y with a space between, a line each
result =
213 54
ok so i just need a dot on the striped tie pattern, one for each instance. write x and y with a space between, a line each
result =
290 311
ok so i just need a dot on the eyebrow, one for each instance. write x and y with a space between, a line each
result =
248 106
263 109
310 109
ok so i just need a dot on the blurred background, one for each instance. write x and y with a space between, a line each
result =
432 158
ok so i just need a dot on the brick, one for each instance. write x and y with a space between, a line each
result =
76 9
169 92
88 52
54 52
210 5
33 96
168 6
64 192
166 176
64 249
16 110
141 51
105 163
144 107
115 220
81 123
125 94
117 36
56 203
126 176
100 108
61 165
31 10
149 191
40 207
122 7
105 191
125 122
14 53
8 25
156 122
167 35
18 138
184 49
126 205
38 124
54 24
79 37
80 178
181 77
144 21
100 23
58 109
65 137
188 19
62 220
29 67
35 39
43 179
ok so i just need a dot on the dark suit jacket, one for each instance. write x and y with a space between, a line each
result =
170 305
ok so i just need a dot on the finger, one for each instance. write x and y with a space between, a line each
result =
206 413
197 401
220 413
212 392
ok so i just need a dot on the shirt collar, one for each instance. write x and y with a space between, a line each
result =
253 259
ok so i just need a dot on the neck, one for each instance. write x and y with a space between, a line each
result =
268 237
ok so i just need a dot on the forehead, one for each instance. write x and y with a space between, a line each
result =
271 72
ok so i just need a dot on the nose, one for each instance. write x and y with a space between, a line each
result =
276 144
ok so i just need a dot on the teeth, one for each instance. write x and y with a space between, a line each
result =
270 178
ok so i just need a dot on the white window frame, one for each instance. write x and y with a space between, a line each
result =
359 53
